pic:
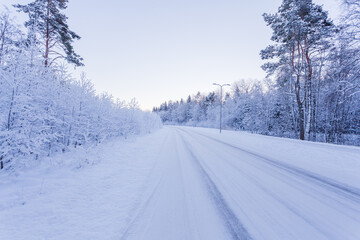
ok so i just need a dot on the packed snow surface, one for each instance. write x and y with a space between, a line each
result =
189 183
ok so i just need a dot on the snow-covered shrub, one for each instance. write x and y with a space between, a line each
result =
43 110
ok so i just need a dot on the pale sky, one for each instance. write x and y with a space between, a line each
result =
160 50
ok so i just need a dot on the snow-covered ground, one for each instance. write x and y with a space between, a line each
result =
189 183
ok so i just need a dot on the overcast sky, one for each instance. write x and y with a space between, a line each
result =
157 50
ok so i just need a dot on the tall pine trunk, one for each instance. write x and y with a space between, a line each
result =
300 108
47 41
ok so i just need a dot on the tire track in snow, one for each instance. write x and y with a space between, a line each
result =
193 231
292 208
340 188
144 203
139 212
233 224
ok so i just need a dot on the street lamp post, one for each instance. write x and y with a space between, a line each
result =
221 86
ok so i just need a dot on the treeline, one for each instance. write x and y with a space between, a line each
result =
43 110
312 91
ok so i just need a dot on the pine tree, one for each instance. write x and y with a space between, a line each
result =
51 29
300 29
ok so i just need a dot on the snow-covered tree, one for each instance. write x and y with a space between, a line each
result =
300 31
10 35
44 110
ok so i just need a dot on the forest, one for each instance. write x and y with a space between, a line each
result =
312 88
43 109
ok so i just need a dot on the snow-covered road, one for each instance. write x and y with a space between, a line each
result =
193 183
